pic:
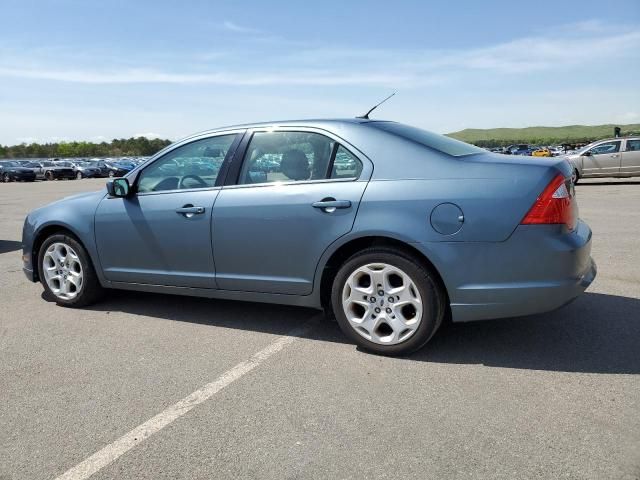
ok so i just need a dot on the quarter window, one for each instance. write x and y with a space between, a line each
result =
345 164
194 165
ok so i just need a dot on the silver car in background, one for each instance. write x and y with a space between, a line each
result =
615 157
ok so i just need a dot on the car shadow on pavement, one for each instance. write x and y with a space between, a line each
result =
600 183
9 246
597 333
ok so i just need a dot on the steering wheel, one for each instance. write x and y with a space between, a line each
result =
201 182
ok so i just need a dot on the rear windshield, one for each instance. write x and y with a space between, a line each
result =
441 143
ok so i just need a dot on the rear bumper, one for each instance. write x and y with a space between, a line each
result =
538 269
524 299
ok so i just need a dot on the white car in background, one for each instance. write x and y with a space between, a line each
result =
614 157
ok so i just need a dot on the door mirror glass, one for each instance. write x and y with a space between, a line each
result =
587 153
118 187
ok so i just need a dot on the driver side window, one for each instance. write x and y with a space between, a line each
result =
609 147
194 165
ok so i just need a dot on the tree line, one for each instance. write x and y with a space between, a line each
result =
129 147
493 143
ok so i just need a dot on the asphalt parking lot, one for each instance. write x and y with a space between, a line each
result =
550 396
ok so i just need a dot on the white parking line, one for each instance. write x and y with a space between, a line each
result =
113 451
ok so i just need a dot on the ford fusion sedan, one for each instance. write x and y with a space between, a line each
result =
614 157
12 171
387 227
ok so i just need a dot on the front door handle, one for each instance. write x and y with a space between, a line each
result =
189 210
329 205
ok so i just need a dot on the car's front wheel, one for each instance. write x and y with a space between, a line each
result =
6 178
387 302
79 176
66 272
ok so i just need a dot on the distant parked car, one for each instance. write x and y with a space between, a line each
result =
12 171
614 157
52 170
111 169
520 149
86 170
542 152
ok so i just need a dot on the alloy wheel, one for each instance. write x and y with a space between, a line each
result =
62 270
382 303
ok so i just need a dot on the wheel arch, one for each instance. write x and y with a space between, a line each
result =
352 246
45 232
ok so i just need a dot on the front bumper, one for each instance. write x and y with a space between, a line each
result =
539 268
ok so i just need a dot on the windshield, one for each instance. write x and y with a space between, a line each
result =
11 164
441 143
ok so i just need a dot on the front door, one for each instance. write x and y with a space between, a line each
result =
604 160
297 192
161 235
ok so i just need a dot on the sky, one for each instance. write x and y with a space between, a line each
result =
96 70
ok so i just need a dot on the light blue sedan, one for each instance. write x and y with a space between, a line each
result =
387 227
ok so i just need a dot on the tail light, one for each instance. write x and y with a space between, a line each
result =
553 206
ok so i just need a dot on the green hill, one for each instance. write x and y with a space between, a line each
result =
540 135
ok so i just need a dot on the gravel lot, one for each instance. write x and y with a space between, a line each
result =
550 396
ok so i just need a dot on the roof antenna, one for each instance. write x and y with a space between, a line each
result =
366 115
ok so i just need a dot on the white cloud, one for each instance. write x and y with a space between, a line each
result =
564 48
234 27
150 135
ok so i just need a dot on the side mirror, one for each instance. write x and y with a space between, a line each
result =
118 187
587 153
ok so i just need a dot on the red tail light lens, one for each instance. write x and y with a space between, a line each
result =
553 206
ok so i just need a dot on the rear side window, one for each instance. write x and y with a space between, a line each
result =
435 141
295 156
633 145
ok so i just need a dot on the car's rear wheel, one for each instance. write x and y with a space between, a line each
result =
79 176
575 176
112 174
6 178
49 175
66 272
387 302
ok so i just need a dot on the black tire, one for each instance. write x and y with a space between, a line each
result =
49 176
576 176
90 291
112 174
79 176
431 292
6 178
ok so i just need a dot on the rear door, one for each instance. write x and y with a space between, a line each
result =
630 162
291 194
603 161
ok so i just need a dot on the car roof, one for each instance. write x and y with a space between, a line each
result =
631 137
323 123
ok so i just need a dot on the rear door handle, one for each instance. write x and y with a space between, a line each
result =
331 204
189 210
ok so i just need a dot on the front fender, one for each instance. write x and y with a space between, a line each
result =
75 214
